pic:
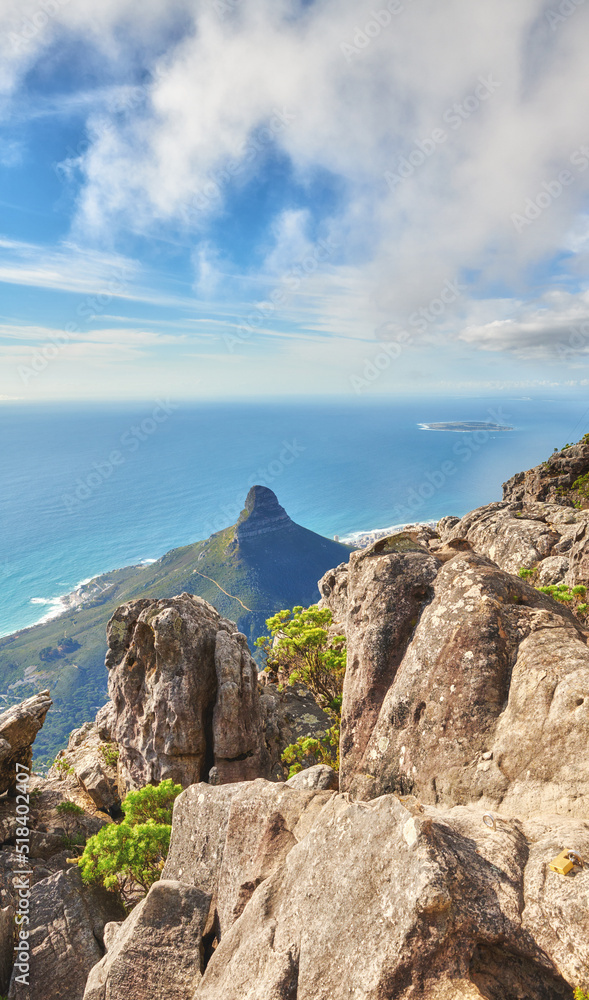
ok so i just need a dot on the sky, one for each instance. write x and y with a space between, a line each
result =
247 198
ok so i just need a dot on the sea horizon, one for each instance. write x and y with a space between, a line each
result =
90 489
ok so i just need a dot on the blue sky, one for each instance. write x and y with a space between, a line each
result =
239 198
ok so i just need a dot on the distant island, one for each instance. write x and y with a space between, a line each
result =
464 426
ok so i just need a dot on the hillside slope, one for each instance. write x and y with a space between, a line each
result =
248 571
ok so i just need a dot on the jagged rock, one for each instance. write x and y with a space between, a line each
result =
380 901
388 586
92 760
18 727
261 514
228 839
489 704
333 587
289 714
551 481
105 722
238 738
184 689
157 952
548 537
320 777
66 928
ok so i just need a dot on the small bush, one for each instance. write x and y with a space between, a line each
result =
120 857
526 574
62 767
154 802
70 814
580 994
130 855
110 754
308 751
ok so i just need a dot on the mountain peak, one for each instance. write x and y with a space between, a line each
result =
262 513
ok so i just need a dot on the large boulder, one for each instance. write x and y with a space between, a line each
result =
185 694
380 900
65 939
488 688
19 726
157 952
388 586
228 839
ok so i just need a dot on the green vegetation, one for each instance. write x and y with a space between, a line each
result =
70 815
124 857
154 802
580 994
581 487
299 649
110 754
308 751
62 767
572 597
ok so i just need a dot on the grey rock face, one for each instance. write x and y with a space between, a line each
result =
157 953
377 900
184 690
551 481
67 924
490 703
287 715
90 758
545 536
18 727
226 840
262 514
388 586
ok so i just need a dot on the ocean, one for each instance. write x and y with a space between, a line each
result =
87 489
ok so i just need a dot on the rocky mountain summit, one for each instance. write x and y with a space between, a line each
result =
421 871
247 571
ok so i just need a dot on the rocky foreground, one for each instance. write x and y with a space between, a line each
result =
466 693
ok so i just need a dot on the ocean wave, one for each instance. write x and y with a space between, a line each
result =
375 533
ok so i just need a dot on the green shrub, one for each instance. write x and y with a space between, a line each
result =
120 856
154 802
526 574
129 855
62 767
580 994
70 814
308 751
299 649
110 754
